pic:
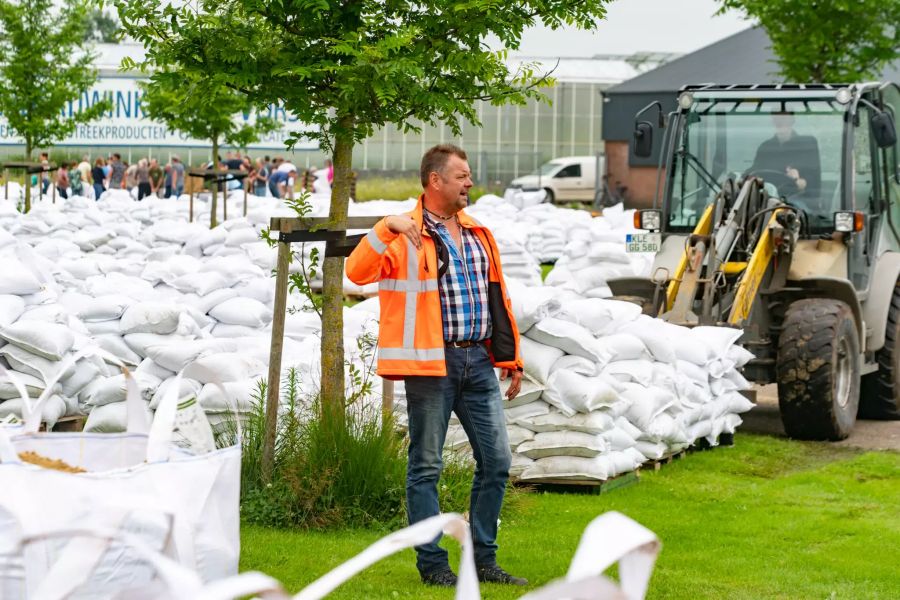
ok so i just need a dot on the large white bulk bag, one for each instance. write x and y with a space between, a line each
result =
186 504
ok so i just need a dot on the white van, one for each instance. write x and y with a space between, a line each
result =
570 178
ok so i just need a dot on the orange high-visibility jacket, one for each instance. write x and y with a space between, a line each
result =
411 333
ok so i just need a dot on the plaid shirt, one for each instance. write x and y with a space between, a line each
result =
463 287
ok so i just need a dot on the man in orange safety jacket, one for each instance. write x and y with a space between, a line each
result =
446 322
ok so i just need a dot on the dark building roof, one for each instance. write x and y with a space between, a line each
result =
745 57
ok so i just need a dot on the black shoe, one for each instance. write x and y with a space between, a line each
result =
444 578
494 574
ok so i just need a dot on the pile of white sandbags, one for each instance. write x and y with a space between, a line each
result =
619 388
595 252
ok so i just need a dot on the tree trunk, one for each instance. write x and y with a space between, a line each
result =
215 187
28 151
332 392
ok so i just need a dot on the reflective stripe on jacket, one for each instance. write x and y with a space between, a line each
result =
410 338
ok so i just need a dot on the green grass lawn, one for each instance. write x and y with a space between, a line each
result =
768 518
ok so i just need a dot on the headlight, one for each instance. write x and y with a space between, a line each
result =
849 221
685 100
648 219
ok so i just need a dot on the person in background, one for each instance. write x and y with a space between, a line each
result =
451 324
177 176
260 178
130 176
62 180
76 183
329 172
167 180
117 172
156 177
85 167
98 175
143 179
45 177
278 182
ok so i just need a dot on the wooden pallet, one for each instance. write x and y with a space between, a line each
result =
582 486
656 465
72 423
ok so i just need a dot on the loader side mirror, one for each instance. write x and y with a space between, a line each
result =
883 129
643 139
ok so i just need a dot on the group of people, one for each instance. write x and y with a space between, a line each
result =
147 175
275 175
262 176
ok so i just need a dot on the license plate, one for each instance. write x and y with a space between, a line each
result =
642 242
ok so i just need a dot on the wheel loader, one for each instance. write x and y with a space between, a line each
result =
778 212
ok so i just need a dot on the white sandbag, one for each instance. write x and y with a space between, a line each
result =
664 427
176 357
518 465
576 364
739 356
730 423
571 392
17 279
594 422
619 439
33 385
563 443
532 303
538 407
224 330
187 388
693 371
654 333
242 311
623 346
11 308
140 342
651 450
529 391
538 358
568 337
113 389
150 317
201 283
26 362
568 467
50 340
517 435
239 397
224 367
84 372
646 403
53 409
95 328
148 367
207 302
718 340
601 317
633 371
115 345
735 403
105 308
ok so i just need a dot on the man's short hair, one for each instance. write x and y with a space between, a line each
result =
435 160
117 156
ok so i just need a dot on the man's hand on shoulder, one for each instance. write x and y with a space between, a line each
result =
515 385
405 225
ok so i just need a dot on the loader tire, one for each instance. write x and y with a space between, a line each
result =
880 394
818 370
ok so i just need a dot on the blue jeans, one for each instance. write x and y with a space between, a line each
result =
470 390
98 190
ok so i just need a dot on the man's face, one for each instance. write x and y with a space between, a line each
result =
454 183
784 125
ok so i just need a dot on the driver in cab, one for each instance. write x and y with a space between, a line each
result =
788 160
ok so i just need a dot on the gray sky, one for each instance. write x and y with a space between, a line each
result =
639 25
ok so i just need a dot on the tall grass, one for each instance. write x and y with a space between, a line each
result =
401 188
330 473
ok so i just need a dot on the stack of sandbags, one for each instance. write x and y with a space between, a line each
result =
595 253
619 390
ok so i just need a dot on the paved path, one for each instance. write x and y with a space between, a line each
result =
869 435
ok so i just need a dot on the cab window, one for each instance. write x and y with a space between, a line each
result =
569 171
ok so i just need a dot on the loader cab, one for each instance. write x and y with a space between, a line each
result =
824 149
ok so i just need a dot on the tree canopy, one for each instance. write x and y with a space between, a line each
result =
349 67
44 64
833 41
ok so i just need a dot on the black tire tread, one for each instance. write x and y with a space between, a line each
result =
880 396
804 369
